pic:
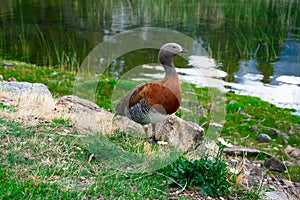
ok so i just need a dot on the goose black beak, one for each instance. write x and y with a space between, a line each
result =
184 50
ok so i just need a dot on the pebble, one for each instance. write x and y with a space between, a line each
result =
254 128
263 138
292 151
279 133
276 195
274 164
7 64
232 102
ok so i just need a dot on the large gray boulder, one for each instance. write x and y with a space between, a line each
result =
89 118
25 88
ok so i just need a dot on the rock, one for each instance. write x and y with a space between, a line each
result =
295 153
25 88
89 118
274 164
288 163
240 150
201 112
7 64
77 104
291 130
289 149
181 134
283 135
273 131
279 133
292 151
11 79
277 195
254 128
232 102
241 110
286 183
263 138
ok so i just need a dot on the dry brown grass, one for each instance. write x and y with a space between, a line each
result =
30 109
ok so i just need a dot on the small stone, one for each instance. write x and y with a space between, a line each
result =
279 133
241 110
291 130
7 64
263 138
274 164
254 128
273 131
295 153
276 195
257 164
288 164
232 102
283 135
289 149
201 112
285 182
12 79
292 151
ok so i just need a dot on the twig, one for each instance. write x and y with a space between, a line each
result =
90 158
244 138
165 193
173 193
177 192
65 134
180 191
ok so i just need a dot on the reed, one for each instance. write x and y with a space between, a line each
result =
237 30
45 48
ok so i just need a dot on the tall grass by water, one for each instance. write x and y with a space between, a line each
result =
236 30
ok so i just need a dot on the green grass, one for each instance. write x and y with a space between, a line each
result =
38 162
61 122
209 176
245 111
60 82
7 108
41 162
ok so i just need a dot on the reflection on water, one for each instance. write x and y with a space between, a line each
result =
285 92
255 44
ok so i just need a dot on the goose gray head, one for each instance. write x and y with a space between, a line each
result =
168 52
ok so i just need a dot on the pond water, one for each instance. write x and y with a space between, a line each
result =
254 44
